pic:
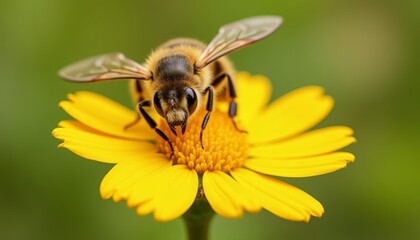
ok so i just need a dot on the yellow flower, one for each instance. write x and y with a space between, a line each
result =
231 172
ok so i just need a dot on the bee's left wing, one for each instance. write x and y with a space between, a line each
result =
104 67
237 35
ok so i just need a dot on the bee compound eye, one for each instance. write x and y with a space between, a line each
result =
191 99
157 104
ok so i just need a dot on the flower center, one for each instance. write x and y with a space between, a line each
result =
225 148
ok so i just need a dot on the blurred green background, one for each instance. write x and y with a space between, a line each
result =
365 54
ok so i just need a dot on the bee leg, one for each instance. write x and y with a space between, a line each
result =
209 108
233 106
152 123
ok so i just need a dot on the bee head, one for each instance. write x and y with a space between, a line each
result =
176 105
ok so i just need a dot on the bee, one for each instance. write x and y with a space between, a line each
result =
180 76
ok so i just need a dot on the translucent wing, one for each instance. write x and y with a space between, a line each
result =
104 67
236 35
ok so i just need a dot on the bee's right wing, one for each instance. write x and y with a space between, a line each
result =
105 67
237 35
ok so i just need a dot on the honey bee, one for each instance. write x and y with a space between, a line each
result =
181 76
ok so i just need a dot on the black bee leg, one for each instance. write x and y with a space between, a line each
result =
209 108
233 106
152 122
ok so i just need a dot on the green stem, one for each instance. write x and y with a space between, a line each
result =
197 220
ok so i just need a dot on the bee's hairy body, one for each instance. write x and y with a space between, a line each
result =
181 76
173 67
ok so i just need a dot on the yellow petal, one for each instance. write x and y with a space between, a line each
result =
301 167
312 143
76 125
101 147
178 195
278 197
100 141
219 198
226 196
105 115
144 190
254 91
172 193
291 114
123 176
145 208
123 189
124 182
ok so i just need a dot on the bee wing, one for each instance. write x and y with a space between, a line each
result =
236 35
104 67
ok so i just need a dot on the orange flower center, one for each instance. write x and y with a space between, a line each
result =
225 148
